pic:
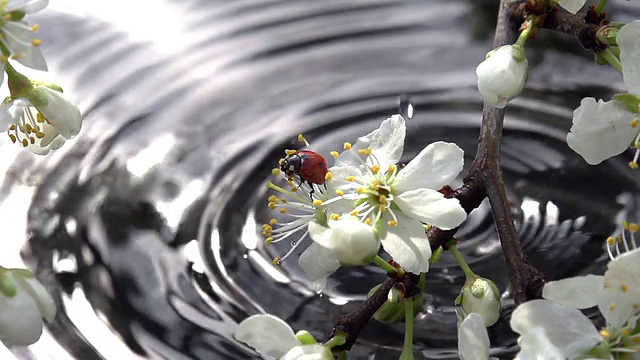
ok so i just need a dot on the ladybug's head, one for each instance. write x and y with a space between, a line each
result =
291 165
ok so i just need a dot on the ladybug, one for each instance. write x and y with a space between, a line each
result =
308 165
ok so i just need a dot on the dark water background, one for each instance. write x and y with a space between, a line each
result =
147 228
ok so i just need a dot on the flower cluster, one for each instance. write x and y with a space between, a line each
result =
36 115
367 200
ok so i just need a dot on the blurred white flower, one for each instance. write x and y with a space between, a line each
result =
617 295
396 202
572 6
43 127
502 75
602 129
17 35
480 296
273 337
24 302
346 242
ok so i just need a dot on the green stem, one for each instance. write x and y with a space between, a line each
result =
422 282
407 350
337 340
385 265
453 249
524 35
601 4
612 59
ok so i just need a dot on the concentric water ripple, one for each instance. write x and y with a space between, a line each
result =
147 229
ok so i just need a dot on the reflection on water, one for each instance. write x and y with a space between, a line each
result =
148 228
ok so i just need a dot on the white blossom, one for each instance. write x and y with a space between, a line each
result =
502 75
345 242
572 6
44 127
396 202
617 295
273 337
24 302
17 36
602 129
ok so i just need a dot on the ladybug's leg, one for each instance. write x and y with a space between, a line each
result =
313 190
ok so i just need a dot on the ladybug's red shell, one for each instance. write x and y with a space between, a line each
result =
313 167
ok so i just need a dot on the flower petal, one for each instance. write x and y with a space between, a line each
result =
10 113
318 263
431 207
572 6
268 334
386 143
309 352
435 166
629 54
576 292
61 113
349 240
600 130
349 188
20 320
26 6
19 38
407 243
566 328
39 294
535 345
620 297
473 340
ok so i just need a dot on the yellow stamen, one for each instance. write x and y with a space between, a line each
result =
611 241
604 333
382 199
294 189
335 154
13 138
290 152
392 223
361 190
391 169
271 205
283 211
365 152
347 146
636 339
25 143
351 178
301 138
40 135
383 207
634 123
624 288
368 221
268 240
334 216
36 42
275 171
15 56
612 306
284 200
35 27
625 332
355 212
4 58
339 192
273 198
638 145
625 224
328 176
633 228
280 162
375 169
276 261
635 306
317 202
273 221
633 165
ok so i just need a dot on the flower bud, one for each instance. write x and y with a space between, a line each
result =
24 302
481 296
502 76
393 312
